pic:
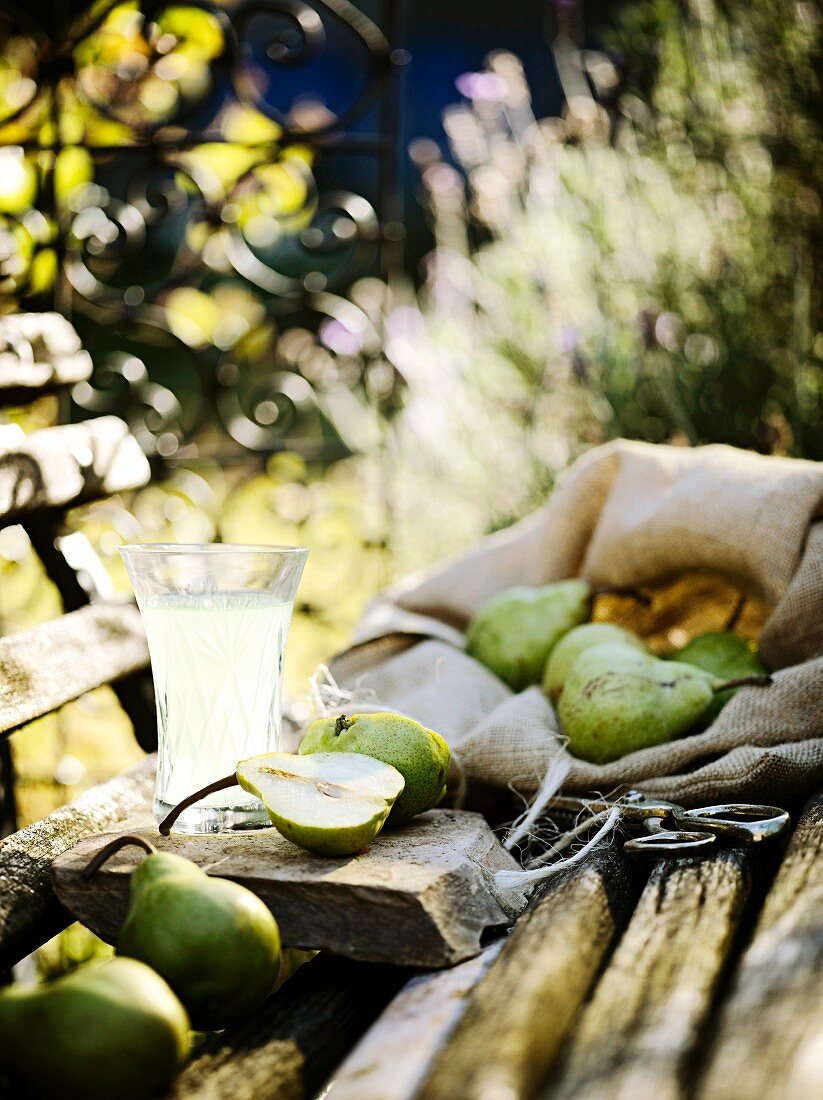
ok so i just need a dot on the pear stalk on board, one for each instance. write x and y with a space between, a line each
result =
722 654
214 942
420 755
617 700
579 639
101 1032
329 803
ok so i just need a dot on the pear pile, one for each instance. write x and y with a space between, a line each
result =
612 694
197 951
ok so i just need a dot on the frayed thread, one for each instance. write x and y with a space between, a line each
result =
556 773
517 880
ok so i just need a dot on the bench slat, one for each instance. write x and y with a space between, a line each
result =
518 1016
51 664
769 1036
39 353
61 467
292 1044
635 1039
396 1055
30 913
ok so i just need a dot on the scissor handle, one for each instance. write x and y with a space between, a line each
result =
666 842
743 821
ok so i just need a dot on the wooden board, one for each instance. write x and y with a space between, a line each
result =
292 1044
30 913
767 1042
49 665
514 1019
417 897
60 467
637 1038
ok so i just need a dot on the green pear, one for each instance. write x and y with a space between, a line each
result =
571 645
725 655
330 803
420 755
101 1032
516 631
214 942
617 700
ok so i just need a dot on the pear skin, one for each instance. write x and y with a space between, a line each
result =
516 631
579 639
214 942
617 700
726 656
106 1031
420 755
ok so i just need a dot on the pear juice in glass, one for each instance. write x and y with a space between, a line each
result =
216 618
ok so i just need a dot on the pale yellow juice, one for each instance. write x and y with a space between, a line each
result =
217 662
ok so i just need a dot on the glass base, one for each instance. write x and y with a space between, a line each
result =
214 819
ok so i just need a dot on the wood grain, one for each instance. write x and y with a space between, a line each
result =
637 1037
292 1045
60 467
768 1039
29 910
49 665
517 1018
418 896
396 1055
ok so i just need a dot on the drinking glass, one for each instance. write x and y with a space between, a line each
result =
216 619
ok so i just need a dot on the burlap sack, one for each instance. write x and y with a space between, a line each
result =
695 528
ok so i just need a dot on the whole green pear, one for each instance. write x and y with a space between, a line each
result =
725 655
214 942
516 631
103 1032
581 638
617 700
420 755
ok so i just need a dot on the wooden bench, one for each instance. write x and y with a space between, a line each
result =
697 979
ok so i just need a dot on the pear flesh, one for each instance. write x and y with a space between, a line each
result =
581 638
420 755
98 1033
725 655
214 942
329 803
516 631
617 700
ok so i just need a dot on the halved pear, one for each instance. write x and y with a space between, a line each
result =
330 803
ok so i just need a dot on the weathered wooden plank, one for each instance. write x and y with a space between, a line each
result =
39 353
58 467
395 1056
768 1038
418 896
517 1017
51 664
637 1036
291 1046
29 910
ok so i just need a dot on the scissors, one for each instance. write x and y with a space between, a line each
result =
673 830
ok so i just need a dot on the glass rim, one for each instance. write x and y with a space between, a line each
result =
206 548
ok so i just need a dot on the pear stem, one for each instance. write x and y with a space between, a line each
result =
218 785
629 593
760 680
113 846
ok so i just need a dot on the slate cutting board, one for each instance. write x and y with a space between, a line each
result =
420 895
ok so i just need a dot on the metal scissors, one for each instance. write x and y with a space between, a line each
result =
672 830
